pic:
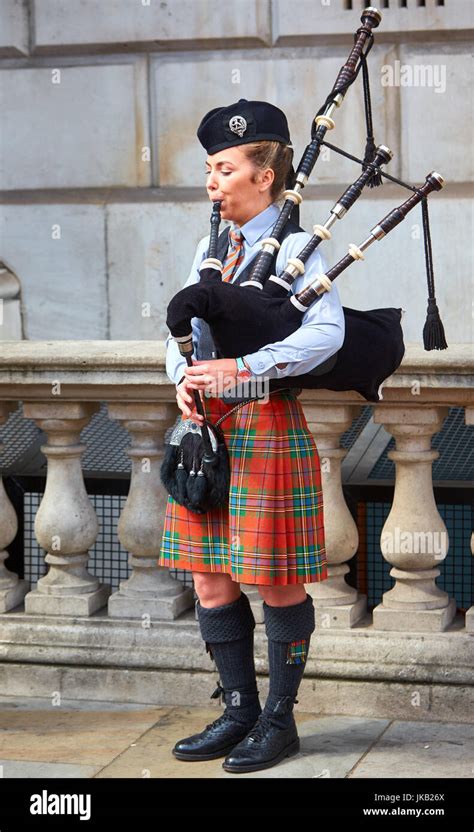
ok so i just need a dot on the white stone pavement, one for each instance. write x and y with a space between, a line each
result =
80 739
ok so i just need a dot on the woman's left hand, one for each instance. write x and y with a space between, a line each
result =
215 377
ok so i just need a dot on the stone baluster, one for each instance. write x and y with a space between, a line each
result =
338 605
414 538
66 525
469 413
150 589
12 589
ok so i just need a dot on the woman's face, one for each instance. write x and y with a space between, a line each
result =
229 178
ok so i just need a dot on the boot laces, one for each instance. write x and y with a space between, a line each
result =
261 727
224 718
264 722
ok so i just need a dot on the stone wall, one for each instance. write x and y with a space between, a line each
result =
102 176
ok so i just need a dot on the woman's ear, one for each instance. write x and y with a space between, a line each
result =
266 178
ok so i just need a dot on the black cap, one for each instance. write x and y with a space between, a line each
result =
242 123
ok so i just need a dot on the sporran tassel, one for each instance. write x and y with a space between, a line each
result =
197 485
181 477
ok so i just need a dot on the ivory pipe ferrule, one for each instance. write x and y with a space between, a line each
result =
296 303
211 263
270 244
182 339
320 284
322 231
275 279
295 267
294 195
253 283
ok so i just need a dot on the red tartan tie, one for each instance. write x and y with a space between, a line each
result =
234 255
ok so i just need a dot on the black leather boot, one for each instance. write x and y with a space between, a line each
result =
228 633
266 744
274 735
219 737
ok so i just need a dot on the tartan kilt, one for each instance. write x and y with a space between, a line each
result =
271 531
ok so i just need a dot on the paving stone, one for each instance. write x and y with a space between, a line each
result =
421 749
329 747
57 735
24 769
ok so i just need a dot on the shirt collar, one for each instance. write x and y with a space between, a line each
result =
258 226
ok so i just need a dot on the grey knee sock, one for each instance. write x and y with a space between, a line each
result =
289 634
228 631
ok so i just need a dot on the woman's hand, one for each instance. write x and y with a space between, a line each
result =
186 403
216 377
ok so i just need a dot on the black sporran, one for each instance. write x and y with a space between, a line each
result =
192 478
186 472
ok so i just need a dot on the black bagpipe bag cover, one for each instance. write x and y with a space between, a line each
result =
242 320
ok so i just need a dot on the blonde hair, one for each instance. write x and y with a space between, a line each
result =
274 155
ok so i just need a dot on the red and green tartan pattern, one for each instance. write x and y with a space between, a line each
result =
297 652
271 532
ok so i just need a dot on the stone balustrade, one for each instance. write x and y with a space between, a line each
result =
61 384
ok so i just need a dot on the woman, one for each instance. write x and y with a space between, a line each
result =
271 534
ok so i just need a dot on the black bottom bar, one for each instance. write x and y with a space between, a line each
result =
376 803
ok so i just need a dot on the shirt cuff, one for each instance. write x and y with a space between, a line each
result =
261 364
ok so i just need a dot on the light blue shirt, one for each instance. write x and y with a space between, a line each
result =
322 328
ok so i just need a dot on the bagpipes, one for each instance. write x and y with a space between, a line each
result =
243 318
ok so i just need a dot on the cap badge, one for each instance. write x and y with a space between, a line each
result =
238 125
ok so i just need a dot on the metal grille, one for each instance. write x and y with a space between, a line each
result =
349 437
457 570
106 442
108 559
184 577
455 443
21 438
34 563
105 439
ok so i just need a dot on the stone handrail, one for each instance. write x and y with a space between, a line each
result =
61 384
27 365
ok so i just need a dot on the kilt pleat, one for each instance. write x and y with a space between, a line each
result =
271 532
